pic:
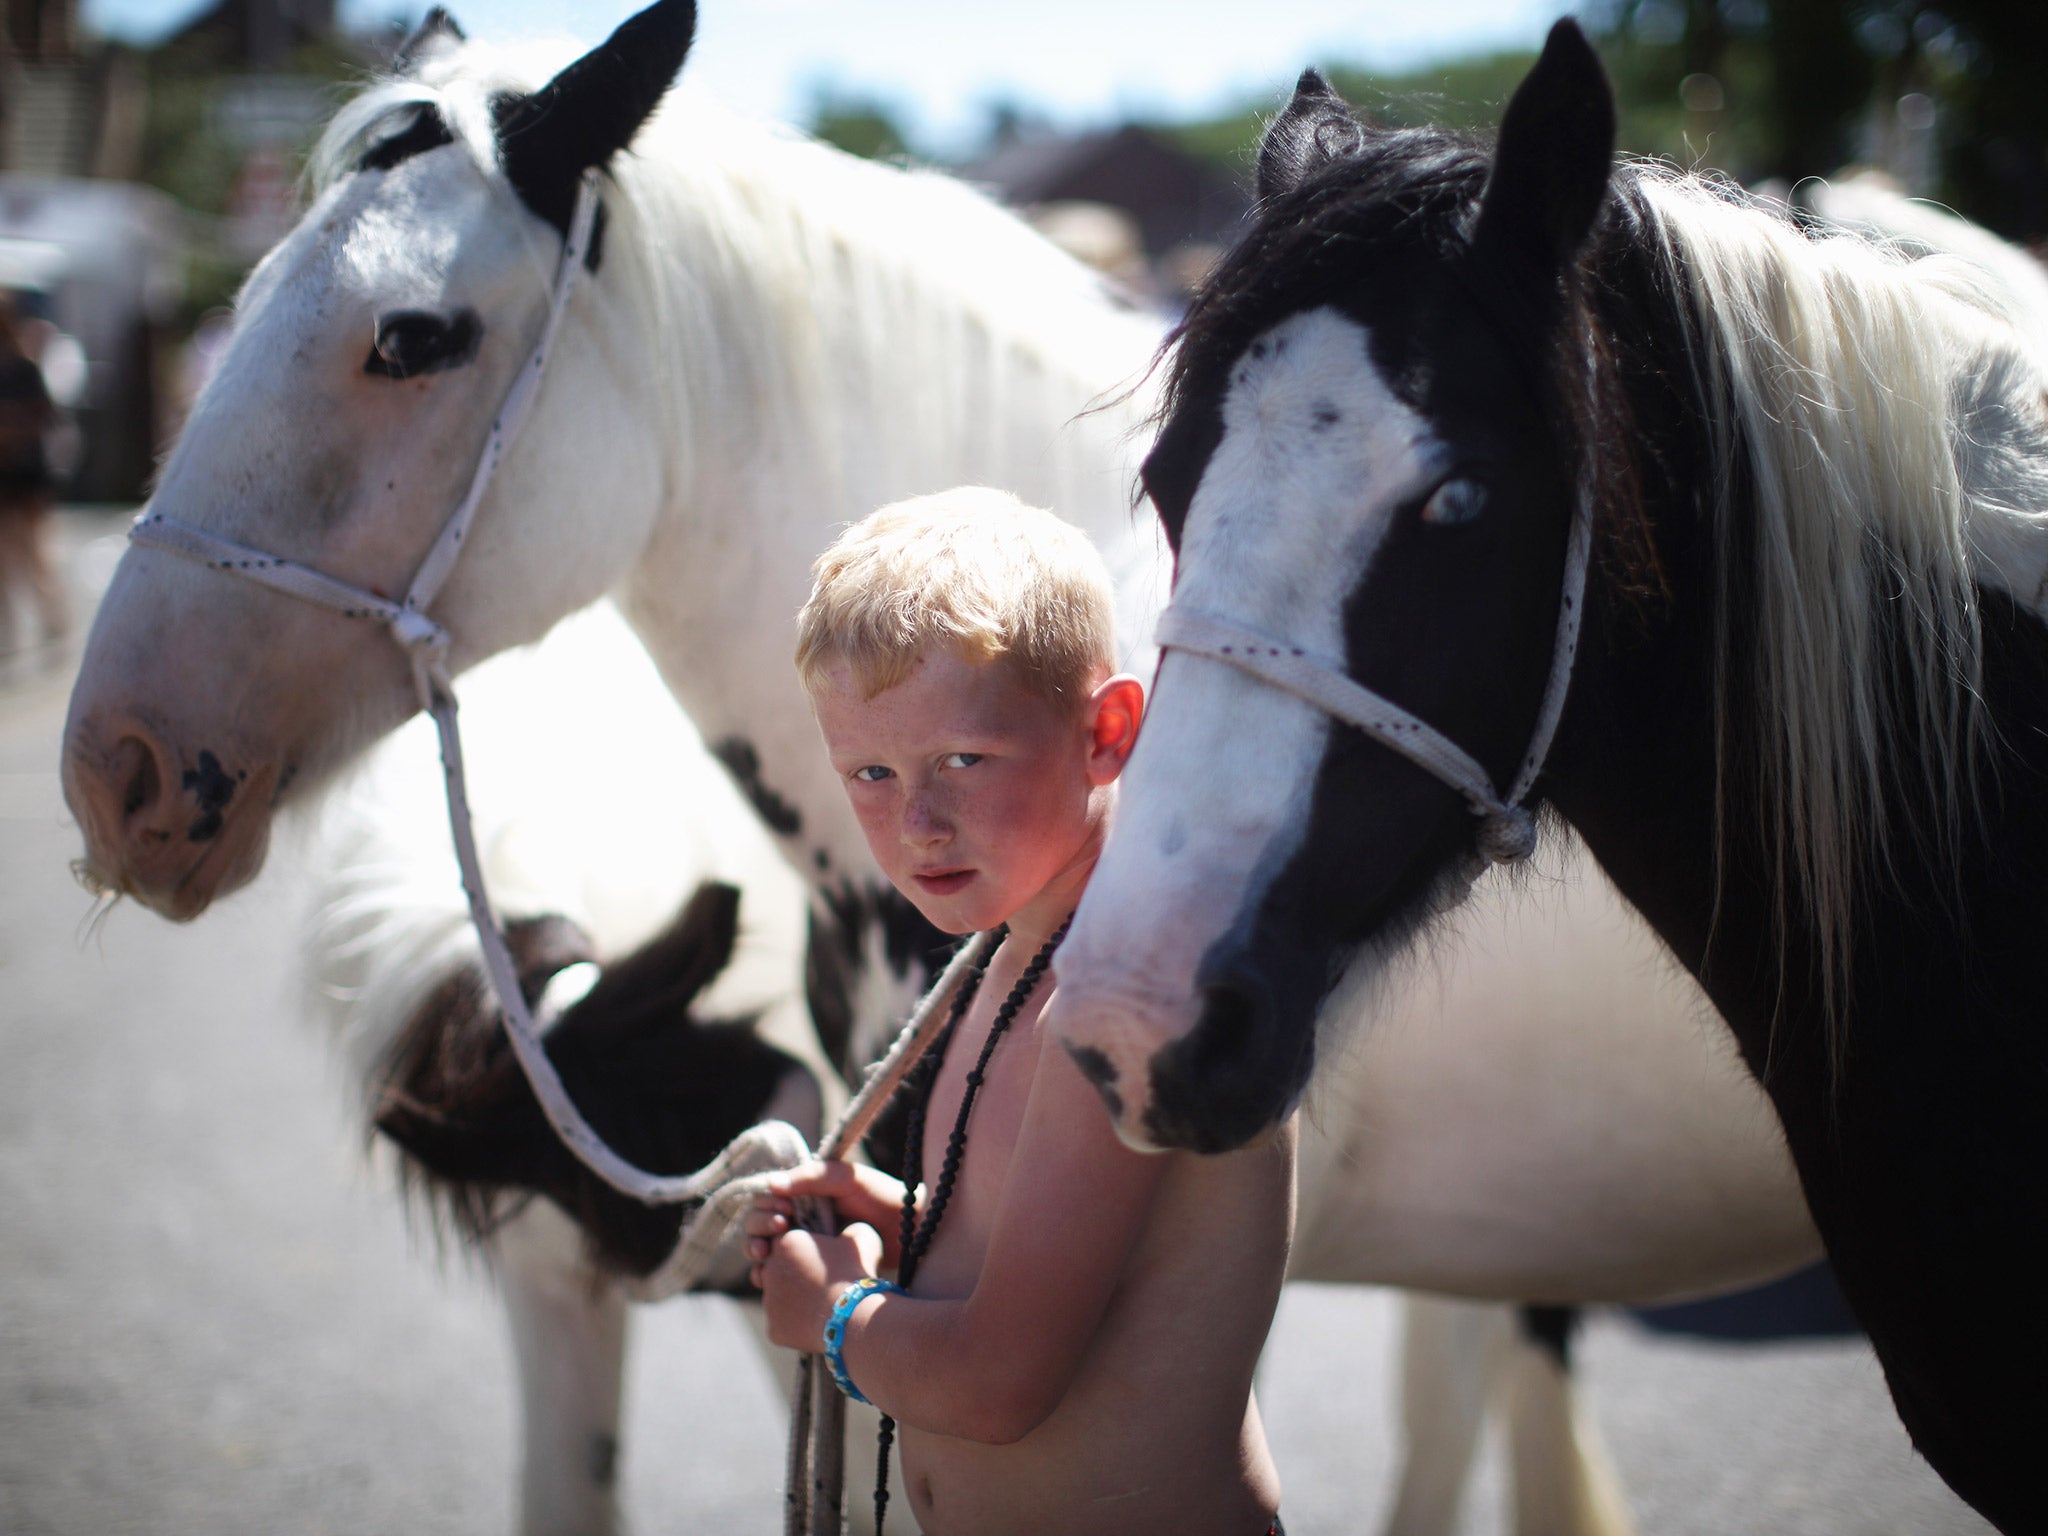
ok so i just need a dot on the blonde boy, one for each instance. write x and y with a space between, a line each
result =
1075 1352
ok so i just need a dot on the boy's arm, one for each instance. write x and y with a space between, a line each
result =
993 1366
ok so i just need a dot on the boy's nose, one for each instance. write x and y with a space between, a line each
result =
924 824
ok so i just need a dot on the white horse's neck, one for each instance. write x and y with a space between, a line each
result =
839 335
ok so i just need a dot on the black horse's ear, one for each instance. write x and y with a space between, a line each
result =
592 109
435 27
1316 128
1556 154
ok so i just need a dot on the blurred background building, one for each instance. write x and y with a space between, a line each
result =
141 175
137 186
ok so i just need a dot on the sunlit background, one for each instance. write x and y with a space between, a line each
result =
150 149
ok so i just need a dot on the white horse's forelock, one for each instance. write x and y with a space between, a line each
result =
1857 379
456 82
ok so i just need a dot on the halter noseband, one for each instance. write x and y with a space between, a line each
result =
426 644
1507 831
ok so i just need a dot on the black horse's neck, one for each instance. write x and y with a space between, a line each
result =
1921 1142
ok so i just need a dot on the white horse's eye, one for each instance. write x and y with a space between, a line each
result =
410 342
1453 502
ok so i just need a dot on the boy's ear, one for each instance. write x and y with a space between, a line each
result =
1115 710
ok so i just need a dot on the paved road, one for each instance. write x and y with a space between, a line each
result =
213 1316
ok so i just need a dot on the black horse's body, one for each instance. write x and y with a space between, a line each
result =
1534 333
1922 1143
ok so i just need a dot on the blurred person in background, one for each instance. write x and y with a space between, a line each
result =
31 436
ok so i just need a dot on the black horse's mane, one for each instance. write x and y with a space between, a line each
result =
1420 188
1310 240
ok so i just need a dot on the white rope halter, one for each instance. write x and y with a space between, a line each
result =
426 644
1507 831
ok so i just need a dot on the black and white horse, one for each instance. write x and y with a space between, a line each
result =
1806 731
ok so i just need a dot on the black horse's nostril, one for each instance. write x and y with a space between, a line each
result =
1237 1073
1100 1071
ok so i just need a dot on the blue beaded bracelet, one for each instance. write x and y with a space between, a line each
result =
835 1328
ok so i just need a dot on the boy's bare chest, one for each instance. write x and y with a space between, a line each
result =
993 1124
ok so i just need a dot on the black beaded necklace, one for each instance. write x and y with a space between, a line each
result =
916 1236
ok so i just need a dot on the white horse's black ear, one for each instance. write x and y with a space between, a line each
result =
1317 128
1554 160
435 28
592 109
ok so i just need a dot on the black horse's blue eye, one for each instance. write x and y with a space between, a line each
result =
415 341
1454 502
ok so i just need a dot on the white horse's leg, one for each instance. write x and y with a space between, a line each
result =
1449 1352
1458 1360
1564 1482
569 1340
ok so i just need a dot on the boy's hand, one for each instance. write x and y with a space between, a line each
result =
857 1192
803 1276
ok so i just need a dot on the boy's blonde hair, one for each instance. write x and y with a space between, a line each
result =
971 569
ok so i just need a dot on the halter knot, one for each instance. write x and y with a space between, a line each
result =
1507 835
416 632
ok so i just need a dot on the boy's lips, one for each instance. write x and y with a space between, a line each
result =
943 882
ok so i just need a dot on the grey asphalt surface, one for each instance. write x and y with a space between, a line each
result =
215 1317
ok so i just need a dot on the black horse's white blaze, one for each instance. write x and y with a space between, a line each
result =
1316 457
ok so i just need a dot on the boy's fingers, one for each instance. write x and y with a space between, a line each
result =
815 1178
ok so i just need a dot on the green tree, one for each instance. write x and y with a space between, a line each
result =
859 124
1767 88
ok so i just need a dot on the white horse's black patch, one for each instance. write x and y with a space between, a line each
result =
742 759
664 1088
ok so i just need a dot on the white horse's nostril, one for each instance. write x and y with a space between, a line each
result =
134 768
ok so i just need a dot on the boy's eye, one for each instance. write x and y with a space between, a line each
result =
874 773
961 759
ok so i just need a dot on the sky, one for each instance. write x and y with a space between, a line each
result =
940 63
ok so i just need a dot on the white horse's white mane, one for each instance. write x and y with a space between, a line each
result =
1892 413
781 259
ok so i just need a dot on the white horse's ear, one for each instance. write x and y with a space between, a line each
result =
436 29
1555 156
1317 128
592 109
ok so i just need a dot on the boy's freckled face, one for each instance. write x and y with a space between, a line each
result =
973 790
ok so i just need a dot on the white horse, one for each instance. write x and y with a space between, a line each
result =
773 339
